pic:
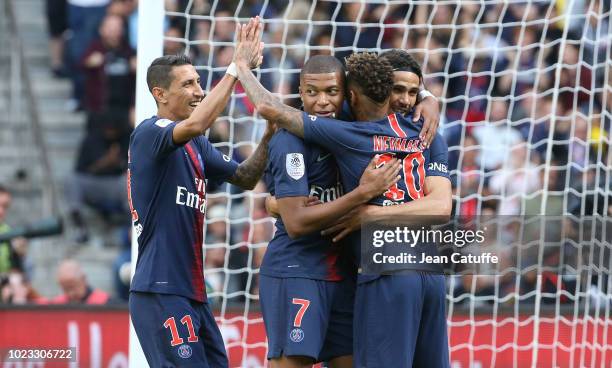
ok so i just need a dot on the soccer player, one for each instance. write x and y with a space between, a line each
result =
407 82
417 335
406 91
169 163
407 95
306 290
424 310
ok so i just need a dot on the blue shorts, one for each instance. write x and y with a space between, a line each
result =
175 331
400 321
306 317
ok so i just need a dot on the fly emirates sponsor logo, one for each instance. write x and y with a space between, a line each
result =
194 200
326 195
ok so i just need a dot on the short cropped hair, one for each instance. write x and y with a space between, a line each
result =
371 74
159 73
401 60
320 64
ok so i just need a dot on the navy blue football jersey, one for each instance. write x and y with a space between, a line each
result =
295 170
167 195
355 143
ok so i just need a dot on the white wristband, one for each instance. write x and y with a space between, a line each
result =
232 70
423 94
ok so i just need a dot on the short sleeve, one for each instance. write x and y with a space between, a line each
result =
288 165
217 166
438 158
334 135
268 178
156 137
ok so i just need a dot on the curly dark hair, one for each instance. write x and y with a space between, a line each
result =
372 75
401 60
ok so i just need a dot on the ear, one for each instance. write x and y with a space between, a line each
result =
300 90
353 100
159 94
353 97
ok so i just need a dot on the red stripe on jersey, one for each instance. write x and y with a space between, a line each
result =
397 129
408 167
197 267
331 258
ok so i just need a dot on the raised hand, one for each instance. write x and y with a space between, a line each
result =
249 48
429 109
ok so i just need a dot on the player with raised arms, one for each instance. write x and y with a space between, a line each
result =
170 162
416 336
306 284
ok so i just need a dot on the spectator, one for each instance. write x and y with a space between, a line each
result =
575 82
122 266
517 179
15 289
470 179
217 239
100 179
224 26
261 233
84 18
322 44
58 24
122 8
110 69
12 253
73 282
172 45
496 137
201 52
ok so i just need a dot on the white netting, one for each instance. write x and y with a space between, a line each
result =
526 111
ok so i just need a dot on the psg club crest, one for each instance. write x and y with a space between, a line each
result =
295 165
184 351
296 335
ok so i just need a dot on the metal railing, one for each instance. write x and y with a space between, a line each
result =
21 81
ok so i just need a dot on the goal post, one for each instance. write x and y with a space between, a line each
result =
151 24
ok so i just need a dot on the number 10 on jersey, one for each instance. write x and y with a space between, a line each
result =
413 176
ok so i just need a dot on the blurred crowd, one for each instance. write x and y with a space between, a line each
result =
526 109
92 42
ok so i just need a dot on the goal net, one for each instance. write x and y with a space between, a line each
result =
526 101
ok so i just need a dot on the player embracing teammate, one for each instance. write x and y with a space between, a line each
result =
400 319
307 295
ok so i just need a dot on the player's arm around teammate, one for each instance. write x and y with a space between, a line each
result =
301 219
436 205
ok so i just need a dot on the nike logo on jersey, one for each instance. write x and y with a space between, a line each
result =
323 157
